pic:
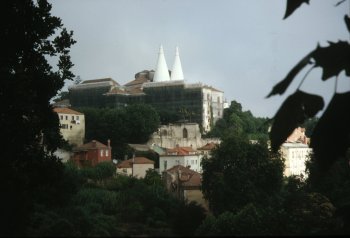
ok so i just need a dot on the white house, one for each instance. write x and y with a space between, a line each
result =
185 156
295 155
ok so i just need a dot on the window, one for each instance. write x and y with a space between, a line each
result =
66 117
101 153
61 117
77 117
106 152
218 100
184 133
64 126
72 117
71 127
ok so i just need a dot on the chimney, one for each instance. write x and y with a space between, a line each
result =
109 143
93 143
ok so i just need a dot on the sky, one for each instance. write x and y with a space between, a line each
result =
241 47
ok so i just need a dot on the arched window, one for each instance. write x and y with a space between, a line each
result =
184 133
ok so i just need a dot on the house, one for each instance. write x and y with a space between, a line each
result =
72 125
92 153
185 156
296 152
295 155
207 148
184 183
136 167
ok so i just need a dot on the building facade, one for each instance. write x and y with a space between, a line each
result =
295 155
180 134
92 153
136 167
185 156
185 184
72 125
162 89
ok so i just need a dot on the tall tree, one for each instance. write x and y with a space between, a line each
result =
28 125
240 173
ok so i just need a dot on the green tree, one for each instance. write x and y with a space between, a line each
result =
240 173
142 121
237 121
30 34
133 124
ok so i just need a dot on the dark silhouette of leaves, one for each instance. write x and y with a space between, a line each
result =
281 87
333 59
331 136
292 5
293 112
347 22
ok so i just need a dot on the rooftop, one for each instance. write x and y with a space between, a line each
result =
66 110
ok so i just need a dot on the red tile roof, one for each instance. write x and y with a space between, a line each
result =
90 145
208 146
180 150
66 110
137 160
188 177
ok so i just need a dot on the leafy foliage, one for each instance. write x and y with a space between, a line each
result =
333 59
133 124
292 5
240 173
235 120
294 111
29 172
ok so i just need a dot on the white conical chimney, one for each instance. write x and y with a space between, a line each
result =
176 73
161 73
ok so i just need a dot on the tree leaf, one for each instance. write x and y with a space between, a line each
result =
292 5
331 136
293 112
347 22
333 59
281 87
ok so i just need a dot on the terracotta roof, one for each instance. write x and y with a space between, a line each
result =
90 145
181 150
66 110
188 177
208 146
98 81
137 82
125 164
137 160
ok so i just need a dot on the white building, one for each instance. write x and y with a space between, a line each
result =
185 156
72 125
295 155
180 134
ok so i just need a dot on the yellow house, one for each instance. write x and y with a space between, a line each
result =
136 167
72 125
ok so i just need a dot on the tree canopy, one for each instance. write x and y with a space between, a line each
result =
132 124
29 127
236 120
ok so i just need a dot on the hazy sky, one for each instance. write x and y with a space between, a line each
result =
242 47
